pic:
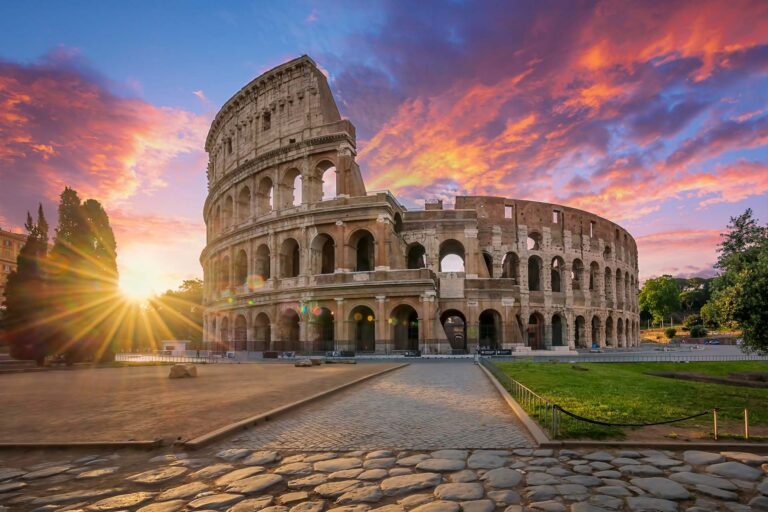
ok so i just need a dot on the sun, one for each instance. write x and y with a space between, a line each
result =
137 287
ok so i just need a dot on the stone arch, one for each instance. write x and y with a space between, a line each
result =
536 331
363 328
262 262
397 223
289 326
404 321
224 333
510 267
580 332
607 283
609 339
620 332
362 248
490 329
322 328
262 331
241 333
227 211
224 281
627 333
596 330
454 324
626 290
577 274
264 196
290 258
619 291
534 273
488 261
607 253
217 220
416 256
594 273
452 256
323 254
558 330
533 242
291 188
326 171
557 267
244 204
241 268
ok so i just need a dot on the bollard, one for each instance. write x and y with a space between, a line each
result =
714 422
746 423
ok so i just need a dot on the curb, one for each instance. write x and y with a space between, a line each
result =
217 434
538 435
665 445
144 445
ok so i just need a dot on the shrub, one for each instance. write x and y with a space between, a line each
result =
698 331
691 321
670 332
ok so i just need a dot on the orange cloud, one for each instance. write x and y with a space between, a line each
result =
695 252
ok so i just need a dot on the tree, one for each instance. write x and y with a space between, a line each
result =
670 332
660 297
181 310
709 315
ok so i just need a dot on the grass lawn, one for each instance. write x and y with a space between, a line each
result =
622 393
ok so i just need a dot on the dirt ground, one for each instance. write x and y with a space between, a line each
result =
142 403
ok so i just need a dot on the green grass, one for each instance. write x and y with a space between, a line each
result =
622 393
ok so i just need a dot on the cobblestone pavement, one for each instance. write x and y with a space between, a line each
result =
240 480
423 406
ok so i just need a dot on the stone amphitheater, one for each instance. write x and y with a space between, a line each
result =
300 256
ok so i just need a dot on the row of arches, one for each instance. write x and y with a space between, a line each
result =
621 333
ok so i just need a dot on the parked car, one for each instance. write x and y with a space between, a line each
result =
712 342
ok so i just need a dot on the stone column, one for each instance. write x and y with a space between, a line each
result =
381 325
340 327
380 249
471 253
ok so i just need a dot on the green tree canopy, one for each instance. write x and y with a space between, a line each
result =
660 297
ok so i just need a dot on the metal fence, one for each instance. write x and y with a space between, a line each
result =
628 357
374 347
153 357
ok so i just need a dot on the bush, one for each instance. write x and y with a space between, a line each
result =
698 331
670 332
691 321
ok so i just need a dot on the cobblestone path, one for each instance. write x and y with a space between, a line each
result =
424 406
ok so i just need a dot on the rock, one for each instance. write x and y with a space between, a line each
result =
583 506
759 503
351 508
294 468
216 501
502 478
540 492
751 459
559 471
644 504
254 484
533 479
345 474
662 488
233 454
168 458
438 506
168 506
630 454
373 474
763 487
182 371
586 480
400 471
606 502
460 492
412 460
238 474
624 461
380 463
211 471
158 476
717 493
466 475
261 458
484 460
367 494
504 497
662 462
335 489
317 457
450 454
389 508
97 473
74 496
122 501
395 485
614 490
46 472
308 481
702 479
698 458
379 454
608 474
183 491
294 458
641 470
307 506
583 469
290 498
441 465
571 490
548 506
602 466
9 473
548 462
329 466
303 363
735 470
599 456
11 486
253 504
478 506
414 500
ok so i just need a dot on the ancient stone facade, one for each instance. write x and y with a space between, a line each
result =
301 257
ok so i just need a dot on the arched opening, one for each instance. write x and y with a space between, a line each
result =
595 331
244 204
262 262
627 333
558 332
417 256
451 256
241 333
536 332
510 268
321 327
264 197
241 268
488 260
609 332
490 329
363 248
580 333
556 272
323 255
397 223
534 273
289 258
229 206
533 242
217 220
455 326
626 290
620 332
594 272
329 190
619 291
363 324
607 284
289 329
224 334
577 273
262 332
224 273
405 328
291 188
607 253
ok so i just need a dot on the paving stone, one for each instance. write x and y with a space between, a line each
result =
641 470
607 474
503 478
298 457
662 462
330 466
308 481
97 473
261 458
645 504
183 491
291 498
389 508
351 508
451 454
734 469
559 471
400 471
548 506
717 493
759 503
254 484
373 474
253 504
308 506
614 490
336 489
233 454
414 500
601 466
9 473
412 460
191 463
46 472
211 471
478 506
632 454
466 475
599 456
606 502
703 479
317 457
379 454
158 476
11 486
624 461
441 465
763 487
485 461
751 459
586 480
216 501
167 506
438 506
294 468
380 463
540 492
276 508
122 501
583 506
680 469
514 508
736 507
532 479
238 474
662 488
699 458
460 492
365 494
345 474
504 497
74 496
408 483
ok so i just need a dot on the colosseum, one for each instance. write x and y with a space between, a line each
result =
301 257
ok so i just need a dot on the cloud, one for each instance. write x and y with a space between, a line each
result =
694 250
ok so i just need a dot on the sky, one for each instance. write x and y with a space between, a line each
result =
651 114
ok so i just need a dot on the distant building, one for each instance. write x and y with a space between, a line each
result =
10 245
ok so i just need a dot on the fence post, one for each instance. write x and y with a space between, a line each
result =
746 423
714 422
